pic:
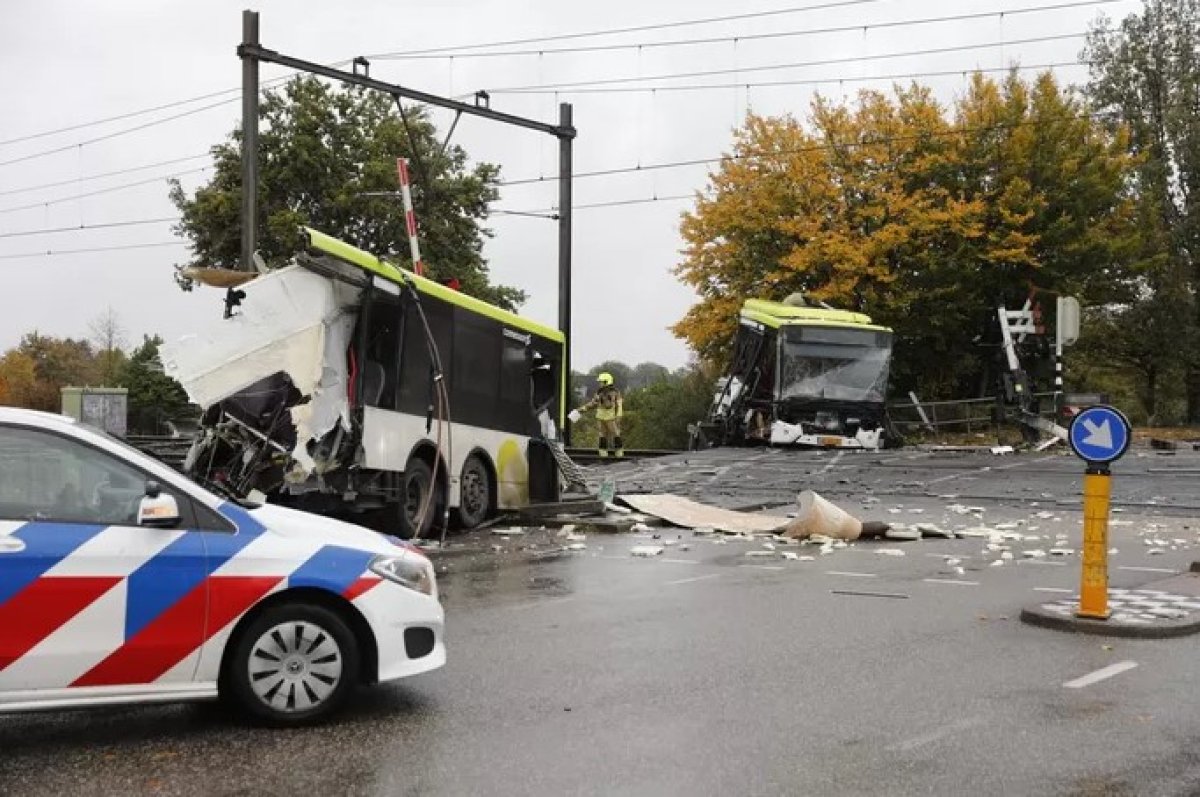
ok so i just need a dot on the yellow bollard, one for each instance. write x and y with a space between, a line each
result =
1093 589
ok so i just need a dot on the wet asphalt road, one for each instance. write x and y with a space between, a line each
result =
709 672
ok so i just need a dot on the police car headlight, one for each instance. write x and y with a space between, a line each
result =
413 572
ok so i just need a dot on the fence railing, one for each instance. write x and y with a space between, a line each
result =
966 415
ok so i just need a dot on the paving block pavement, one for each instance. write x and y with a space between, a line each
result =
1168 607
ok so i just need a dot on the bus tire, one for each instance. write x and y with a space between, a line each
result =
415 485
476 494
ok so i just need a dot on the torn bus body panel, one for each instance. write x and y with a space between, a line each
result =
802 376
275 373
343 384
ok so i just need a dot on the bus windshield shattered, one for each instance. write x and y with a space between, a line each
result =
833 363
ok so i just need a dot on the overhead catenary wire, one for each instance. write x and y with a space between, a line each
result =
99 191
821 147
266 84
114 134
450 49
102 175
794 65
807 81
85 227
462 48
89 249
863 27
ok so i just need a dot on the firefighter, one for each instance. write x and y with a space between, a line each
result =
609 409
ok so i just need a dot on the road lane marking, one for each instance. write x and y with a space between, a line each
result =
908 745
1147 569
1052 589
958 581
540 602
694 578
868 594
831 463
660 558
850 574
1100 674
765 567
981 471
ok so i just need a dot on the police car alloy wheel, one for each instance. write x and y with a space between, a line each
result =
294 664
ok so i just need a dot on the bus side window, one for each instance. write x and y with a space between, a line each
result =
414 379
514 409
475 369
544 376
379 369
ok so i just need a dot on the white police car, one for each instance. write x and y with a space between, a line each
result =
123 582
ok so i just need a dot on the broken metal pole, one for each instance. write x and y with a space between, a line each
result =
912 395
249 138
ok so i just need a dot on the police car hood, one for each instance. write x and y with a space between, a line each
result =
317 528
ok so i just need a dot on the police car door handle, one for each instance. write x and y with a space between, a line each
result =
11 545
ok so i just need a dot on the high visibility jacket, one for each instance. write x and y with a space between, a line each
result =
608 404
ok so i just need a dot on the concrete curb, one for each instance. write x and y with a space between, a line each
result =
1035 615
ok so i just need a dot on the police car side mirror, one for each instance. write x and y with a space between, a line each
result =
157 509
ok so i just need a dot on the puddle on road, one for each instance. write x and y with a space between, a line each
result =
507 582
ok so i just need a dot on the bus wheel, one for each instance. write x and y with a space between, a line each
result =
475 494
415 486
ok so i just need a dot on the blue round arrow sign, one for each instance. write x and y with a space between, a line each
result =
1100 434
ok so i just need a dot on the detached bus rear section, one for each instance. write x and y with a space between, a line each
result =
344 385
803 376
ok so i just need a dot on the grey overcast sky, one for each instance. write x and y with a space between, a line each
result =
70 63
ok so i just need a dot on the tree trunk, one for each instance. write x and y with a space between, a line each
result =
1150 397
1193 394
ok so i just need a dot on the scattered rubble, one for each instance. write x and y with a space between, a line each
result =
646 550
898 533
815 515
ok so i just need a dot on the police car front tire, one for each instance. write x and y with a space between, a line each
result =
293 664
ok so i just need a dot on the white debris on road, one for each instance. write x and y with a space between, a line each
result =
646 550
508 532
889 552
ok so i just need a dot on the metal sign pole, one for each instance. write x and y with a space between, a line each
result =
1099 436
1093 581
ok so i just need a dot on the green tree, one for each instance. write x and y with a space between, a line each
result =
1146 73
154 397
924 217
322 150
57 363
18 379
658 412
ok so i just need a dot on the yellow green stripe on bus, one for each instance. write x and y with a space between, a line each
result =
368 262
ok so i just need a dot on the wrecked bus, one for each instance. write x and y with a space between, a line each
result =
803 376
344 385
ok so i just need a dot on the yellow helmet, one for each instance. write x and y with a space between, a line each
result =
604 379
